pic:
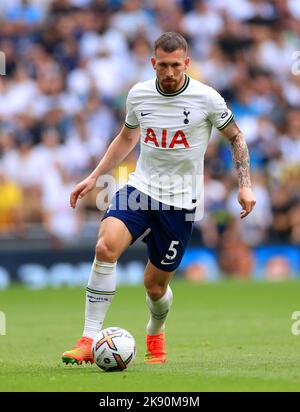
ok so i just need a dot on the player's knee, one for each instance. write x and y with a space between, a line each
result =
105 251
155 292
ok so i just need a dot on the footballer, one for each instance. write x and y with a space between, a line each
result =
171 116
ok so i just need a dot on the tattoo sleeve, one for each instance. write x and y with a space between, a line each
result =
240 153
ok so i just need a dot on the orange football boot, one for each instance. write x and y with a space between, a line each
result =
156 349
82 352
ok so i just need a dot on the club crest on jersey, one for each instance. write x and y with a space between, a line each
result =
186 113
179 138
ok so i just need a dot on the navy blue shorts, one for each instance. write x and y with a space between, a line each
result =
169 228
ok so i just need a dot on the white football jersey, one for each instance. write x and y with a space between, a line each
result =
175 130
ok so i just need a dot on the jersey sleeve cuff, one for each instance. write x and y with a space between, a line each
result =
226 123
130 126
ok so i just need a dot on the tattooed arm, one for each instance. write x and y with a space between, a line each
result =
240 155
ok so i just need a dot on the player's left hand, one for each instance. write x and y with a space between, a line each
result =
246 200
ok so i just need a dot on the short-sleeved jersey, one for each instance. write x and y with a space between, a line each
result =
175 131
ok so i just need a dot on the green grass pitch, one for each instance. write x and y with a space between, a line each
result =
228 336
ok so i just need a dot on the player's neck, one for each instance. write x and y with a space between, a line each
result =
180 85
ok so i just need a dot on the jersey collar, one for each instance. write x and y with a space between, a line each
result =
182 89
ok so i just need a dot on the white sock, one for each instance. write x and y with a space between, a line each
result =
159 310
100 292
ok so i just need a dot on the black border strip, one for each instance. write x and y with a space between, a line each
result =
226 123
130 126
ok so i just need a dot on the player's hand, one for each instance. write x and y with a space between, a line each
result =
246 200
82 189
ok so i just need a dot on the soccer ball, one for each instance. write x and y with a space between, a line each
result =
113 349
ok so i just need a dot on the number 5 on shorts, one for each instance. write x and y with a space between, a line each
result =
173 250
173 254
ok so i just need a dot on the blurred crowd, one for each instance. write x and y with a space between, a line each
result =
69 66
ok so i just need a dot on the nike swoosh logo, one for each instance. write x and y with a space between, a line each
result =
144 114
96 300
166 263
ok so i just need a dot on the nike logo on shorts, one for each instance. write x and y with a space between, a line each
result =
144 114
166 263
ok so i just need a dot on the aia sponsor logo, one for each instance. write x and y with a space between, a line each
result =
179 139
